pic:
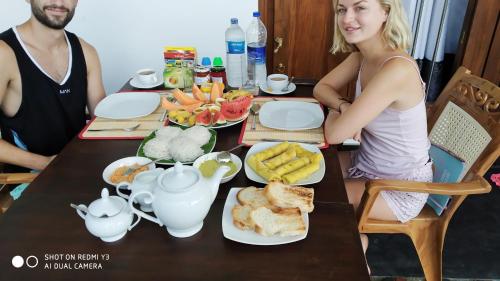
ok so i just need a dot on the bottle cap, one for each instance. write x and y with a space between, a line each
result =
234 21
205 61
218 61
256 14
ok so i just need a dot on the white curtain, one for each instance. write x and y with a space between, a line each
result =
435 24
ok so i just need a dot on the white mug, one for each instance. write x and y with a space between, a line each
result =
277 82
147 76
143 181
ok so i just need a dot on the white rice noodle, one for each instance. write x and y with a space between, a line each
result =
157 148
184 149
198 134
169 132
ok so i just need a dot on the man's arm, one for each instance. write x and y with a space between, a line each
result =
95 87
9 153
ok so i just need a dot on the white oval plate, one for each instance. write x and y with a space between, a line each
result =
127 161
231 232
134 82
291 115
314 178
268 90
126 105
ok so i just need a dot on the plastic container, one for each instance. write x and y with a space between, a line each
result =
235 54
256 51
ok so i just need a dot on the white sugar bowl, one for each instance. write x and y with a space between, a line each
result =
108 217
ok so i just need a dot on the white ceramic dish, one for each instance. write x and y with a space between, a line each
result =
291 115
136 83
292 87
127 105
314 178
231 232
236 160
127 161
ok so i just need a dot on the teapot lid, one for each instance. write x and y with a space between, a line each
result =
178 178
106 205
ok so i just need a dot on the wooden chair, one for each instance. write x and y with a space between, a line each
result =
465 121
11 178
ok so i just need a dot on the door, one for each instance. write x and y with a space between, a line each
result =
300 35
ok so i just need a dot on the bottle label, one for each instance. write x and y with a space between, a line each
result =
257 54
236 47
218 79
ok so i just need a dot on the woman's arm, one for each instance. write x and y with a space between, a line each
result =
328 88
385 88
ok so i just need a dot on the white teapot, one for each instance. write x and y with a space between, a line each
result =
146 180
108 218
182 199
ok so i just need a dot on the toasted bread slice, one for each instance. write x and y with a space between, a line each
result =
287 196
285 222
241 217
254 197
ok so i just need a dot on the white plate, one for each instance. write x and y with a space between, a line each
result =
268 90
127 105
231 232
134 82
314 178
291 115
128 161
351 142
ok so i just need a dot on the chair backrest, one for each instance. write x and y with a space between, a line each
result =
465 120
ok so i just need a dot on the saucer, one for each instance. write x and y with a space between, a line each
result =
268 90
134 82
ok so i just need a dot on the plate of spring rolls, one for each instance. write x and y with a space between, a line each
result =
288 162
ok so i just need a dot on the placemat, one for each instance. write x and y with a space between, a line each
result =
261 133
147 124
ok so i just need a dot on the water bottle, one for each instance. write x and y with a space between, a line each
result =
235 54
256 51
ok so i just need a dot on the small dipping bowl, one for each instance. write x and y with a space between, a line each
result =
211 156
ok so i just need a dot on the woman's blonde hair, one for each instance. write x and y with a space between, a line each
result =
396 32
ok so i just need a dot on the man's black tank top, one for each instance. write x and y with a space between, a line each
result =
50 114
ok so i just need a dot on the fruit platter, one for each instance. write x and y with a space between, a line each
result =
214 110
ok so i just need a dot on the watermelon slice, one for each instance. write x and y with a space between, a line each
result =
236 109
203 118
219 118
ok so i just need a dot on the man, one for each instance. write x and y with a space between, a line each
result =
47 78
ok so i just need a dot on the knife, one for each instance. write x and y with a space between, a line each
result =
301 141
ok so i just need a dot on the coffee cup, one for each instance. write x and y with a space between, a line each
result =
277 82
144 181
147 76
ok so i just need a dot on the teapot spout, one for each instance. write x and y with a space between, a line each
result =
215 180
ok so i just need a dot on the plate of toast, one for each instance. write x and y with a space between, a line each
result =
273 215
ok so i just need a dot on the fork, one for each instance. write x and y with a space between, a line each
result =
127 129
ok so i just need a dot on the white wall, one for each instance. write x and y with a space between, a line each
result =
131 34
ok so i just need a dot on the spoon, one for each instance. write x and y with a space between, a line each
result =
132 169
127 129
255 111
286 88
225 156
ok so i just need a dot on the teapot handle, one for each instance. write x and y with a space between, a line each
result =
124 185
135 223
140 213
80 212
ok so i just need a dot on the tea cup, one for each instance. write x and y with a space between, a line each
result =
144 181
147 76
277 82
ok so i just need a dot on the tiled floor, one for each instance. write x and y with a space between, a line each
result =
382 278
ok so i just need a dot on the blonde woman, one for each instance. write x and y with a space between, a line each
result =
388 114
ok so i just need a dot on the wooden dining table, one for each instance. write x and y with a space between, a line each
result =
46 233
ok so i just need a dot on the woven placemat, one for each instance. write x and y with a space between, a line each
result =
147 124
248 136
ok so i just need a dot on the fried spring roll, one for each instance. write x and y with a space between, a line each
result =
292 166
301 173
272 151
281 159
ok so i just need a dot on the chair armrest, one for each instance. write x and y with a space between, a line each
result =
16 178
475 184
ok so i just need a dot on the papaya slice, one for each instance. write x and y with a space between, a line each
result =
184 99
198 94
221 89
192 107
214 93
169 105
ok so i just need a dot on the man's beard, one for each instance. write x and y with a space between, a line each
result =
54 23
